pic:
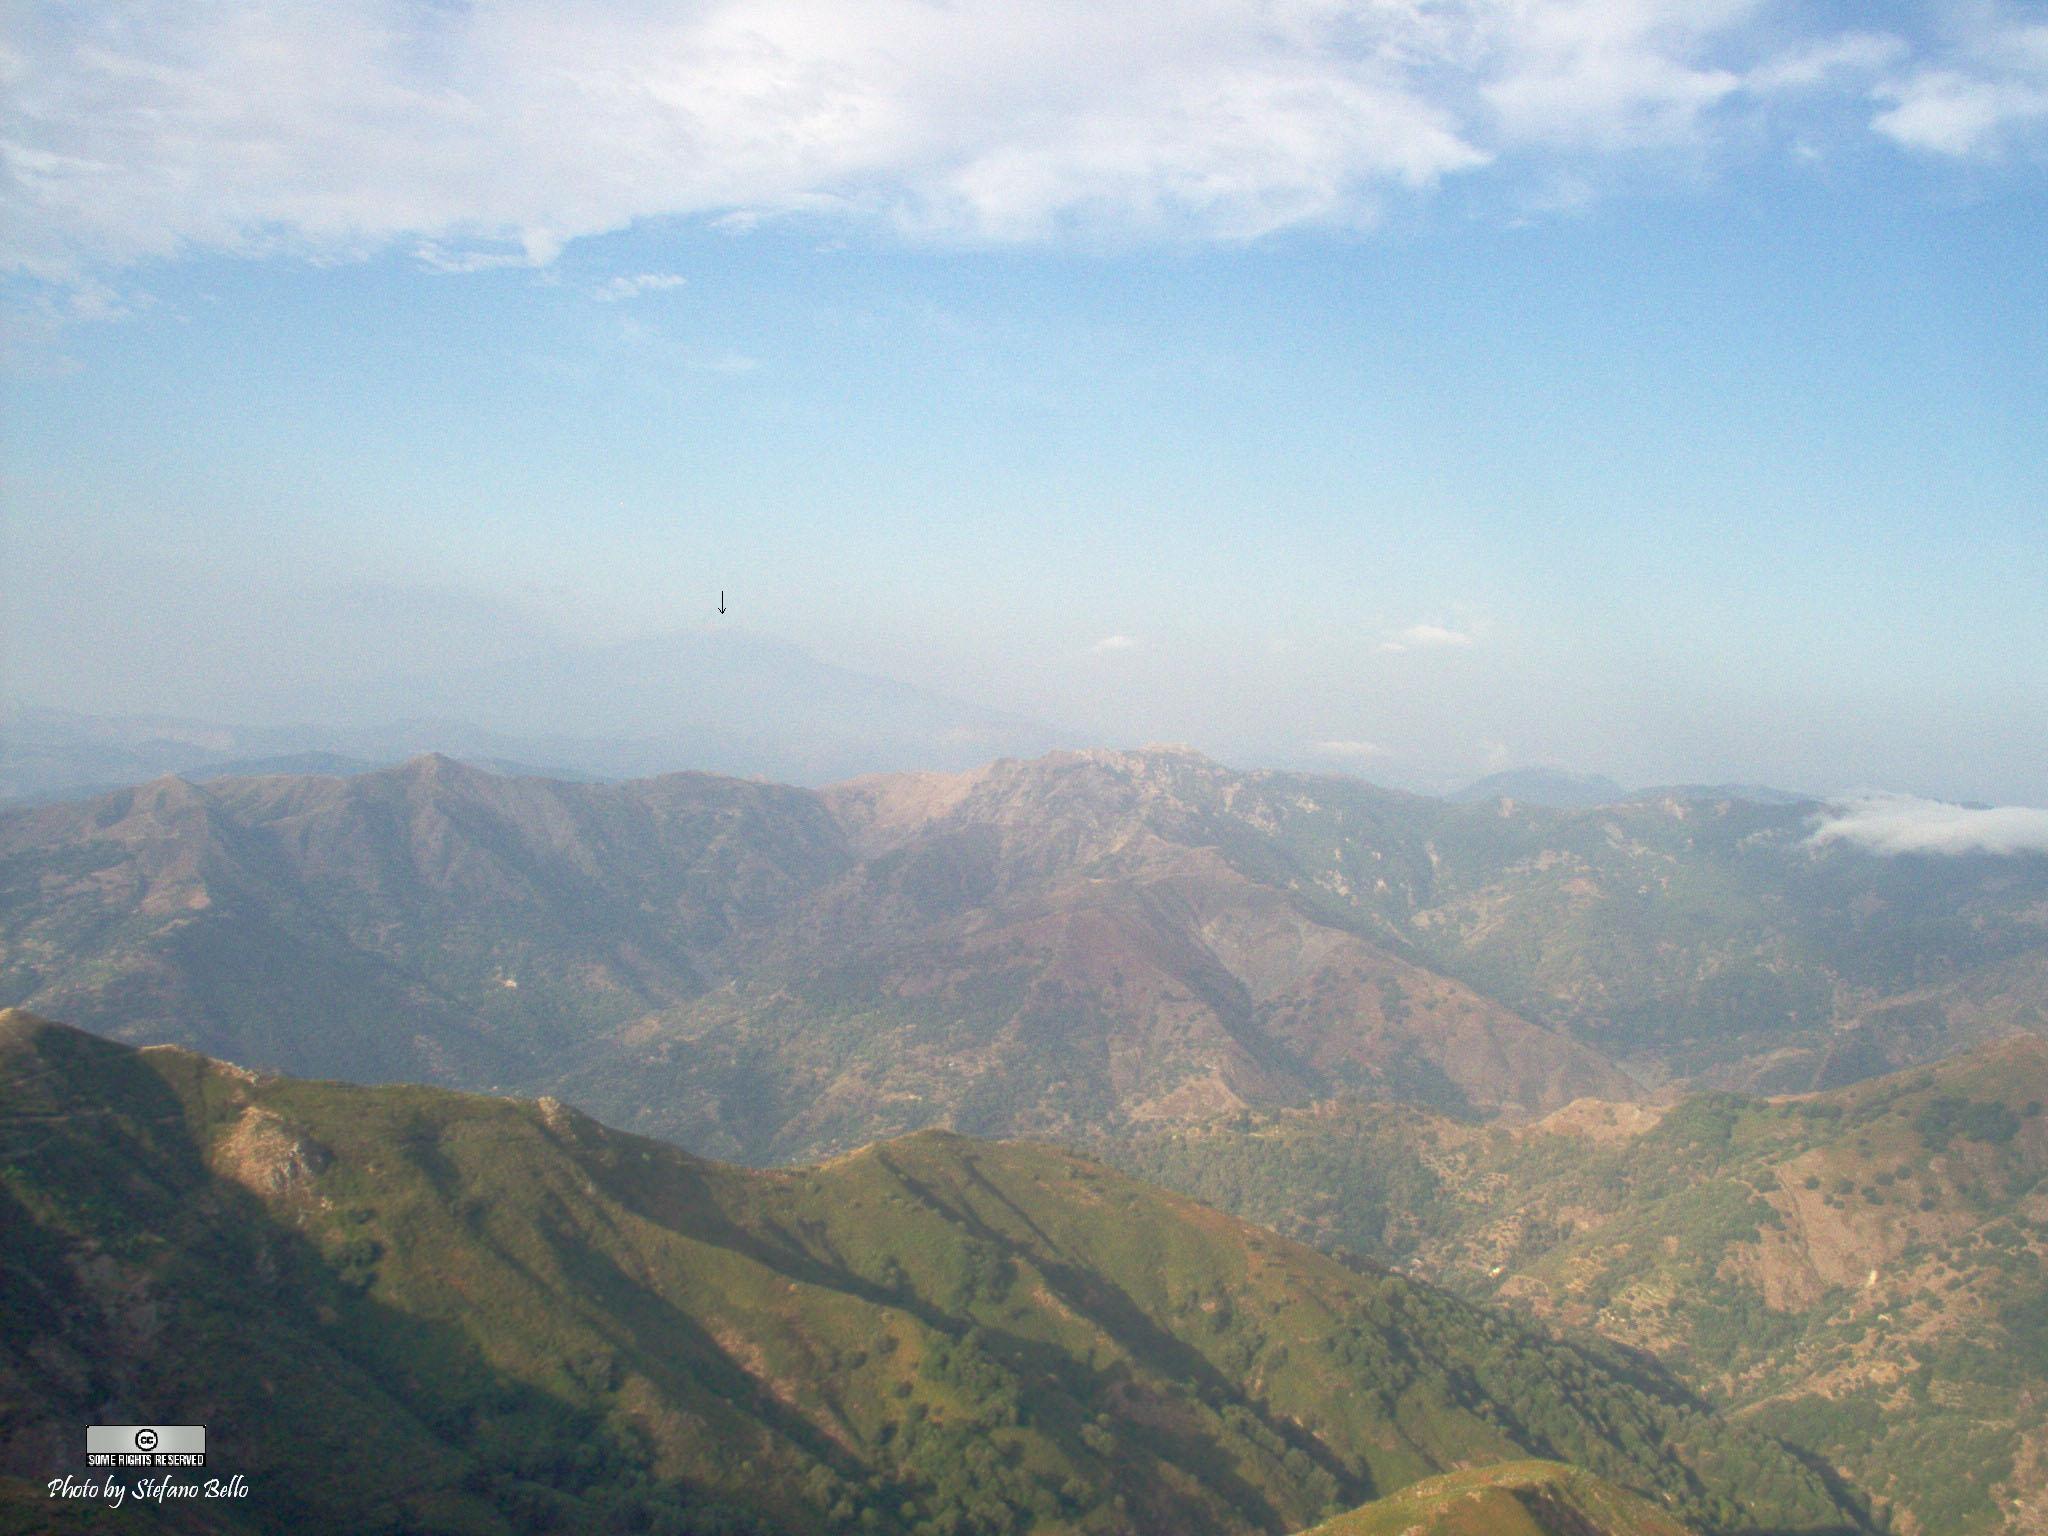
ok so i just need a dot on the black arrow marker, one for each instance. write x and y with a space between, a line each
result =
721 602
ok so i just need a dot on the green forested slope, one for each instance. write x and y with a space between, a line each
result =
401 1308
1864 1272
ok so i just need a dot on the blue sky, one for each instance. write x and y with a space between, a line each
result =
1406 389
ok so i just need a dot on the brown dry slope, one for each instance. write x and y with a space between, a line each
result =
1864 1272
1057 948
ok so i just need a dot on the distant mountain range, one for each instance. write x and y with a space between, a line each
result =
1542 786
726 702
406 1310
1078 944
1582 791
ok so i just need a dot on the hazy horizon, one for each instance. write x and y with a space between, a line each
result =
1654 391
363 672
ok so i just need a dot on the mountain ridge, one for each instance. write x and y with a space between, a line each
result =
543 1321
1530 1498
1542 786
1046 946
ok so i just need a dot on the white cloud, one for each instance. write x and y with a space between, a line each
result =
1950 113
1908 824
1977 102
1357 751
633 286
1426 637
1613 74
1110 643
437 257
1809 66
489 135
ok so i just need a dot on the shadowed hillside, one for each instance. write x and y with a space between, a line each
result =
401 1308
1864 1272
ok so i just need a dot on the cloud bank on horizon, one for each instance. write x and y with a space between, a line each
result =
1894 824
482 135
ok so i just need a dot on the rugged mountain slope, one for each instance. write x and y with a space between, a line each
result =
1081 942
1526 1498
1711 941
432 921
1086 941
405 1308
1864 1271
1684 936
757 971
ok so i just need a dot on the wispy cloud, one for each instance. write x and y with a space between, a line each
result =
1828 61
1590 75
1907 824
1427 637
634 285
1110 644
486 135
484 257
723 362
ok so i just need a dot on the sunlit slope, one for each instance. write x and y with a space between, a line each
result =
405 1308
1524 1498
1864 1271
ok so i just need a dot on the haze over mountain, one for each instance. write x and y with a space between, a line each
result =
1564 790
1542 786
400 1309
724 701
1061 946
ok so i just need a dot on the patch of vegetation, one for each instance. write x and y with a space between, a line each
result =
475 1314
1681 1242
1945 1117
